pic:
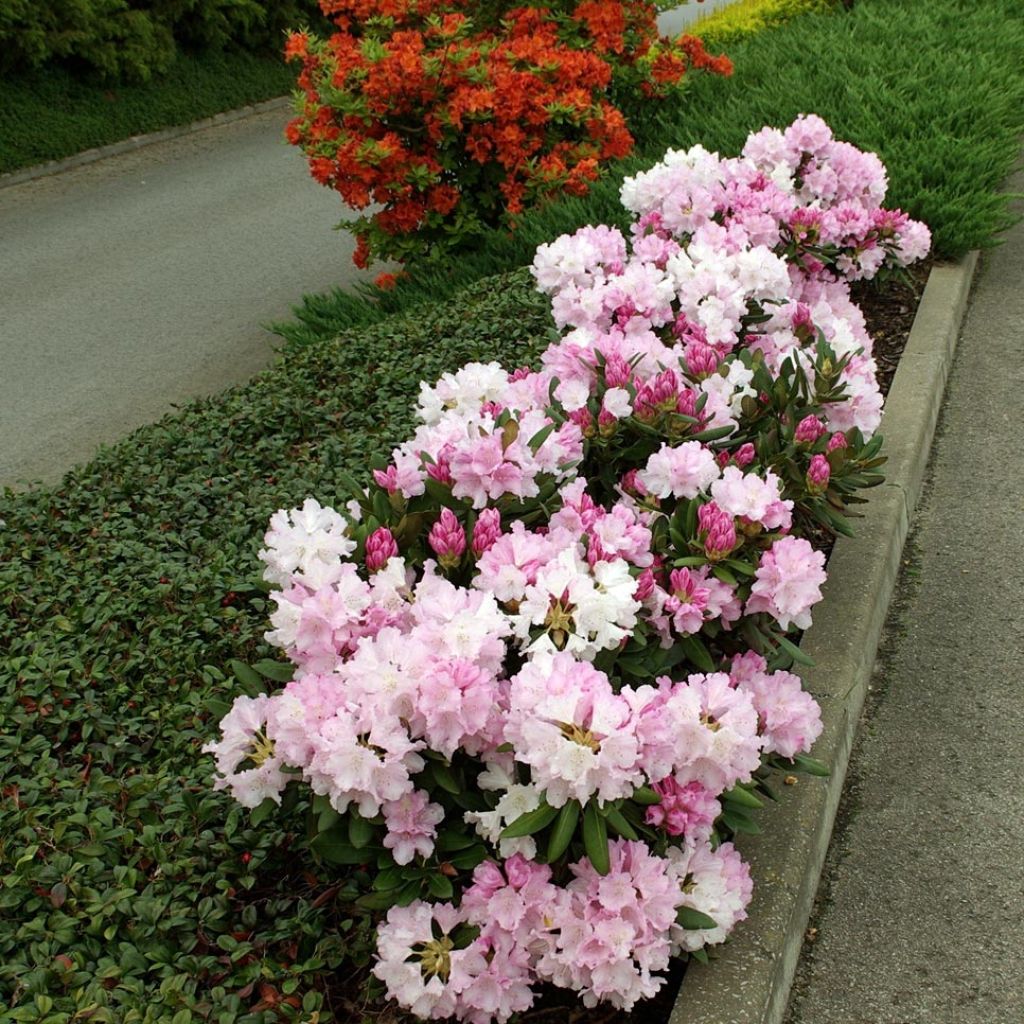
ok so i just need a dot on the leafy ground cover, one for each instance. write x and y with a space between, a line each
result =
945 114
123 892
53 114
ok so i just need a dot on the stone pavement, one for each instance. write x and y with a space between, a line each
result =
144 280
920 912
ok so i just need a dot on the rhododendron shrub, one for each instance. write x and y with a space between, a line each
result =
540 659
455 115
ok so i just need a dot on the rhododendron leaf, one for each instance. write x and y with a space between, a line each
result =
595 839
465 934
793 651
530 822
812 765
246 676
740 821
505 748
711 434
381 506
700 955
409 892
444 777
360 831
440 886
262 811
564 830
646 796
280 672
722 573
377 900
697 653
389 878
449 841
466 860
694 919
690 561
743 568
618 822
326 818
352 487
743 797
334 846
540 437
217 708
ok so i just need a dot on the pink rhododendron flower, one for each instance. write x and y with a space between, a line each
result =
412 823
788 582
681 472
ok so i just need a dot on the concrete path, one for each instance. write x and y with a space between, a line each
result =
142 281
920 915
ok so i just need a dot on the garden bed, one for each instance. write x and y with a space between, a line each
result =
120 591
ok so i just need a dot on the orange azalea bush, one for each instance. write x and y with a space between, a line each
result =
452 116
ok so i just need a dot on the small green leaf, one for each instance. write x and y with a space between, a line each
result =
244 674
279 671
360 831
540 437
440 886
595 839
564 830
812 766
646 796
793 651
530 822
619 823
743 797
690 918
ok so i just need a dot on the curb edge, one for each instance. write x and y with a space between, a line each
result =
134 142
749 981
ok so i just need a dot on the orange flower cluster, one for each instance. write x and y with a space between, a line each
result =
452 116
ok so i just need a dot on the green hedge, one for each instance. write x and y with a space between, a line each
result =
132 40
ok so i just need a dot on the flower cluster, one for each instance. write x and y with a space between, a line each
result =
453 115
540 665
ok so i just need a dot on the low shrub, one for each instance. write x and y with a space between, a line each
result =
455 115
133 40
744 18
561 611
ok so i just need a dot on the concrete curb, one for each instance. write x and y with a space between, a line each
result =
749 981
134 142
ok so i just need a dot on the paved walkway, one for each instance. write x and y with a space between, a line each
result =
920 915
142 281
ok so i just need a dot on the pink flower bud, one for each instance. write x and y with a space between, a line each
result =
606 423
717 529
388 479
486 531
809 429
818 473
440 471
689 330
488 878
701 360
616 372
448 539
518 871
632 485
582 418
836 441
744 455
802 318
492 409
521 373
645 585
380 546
